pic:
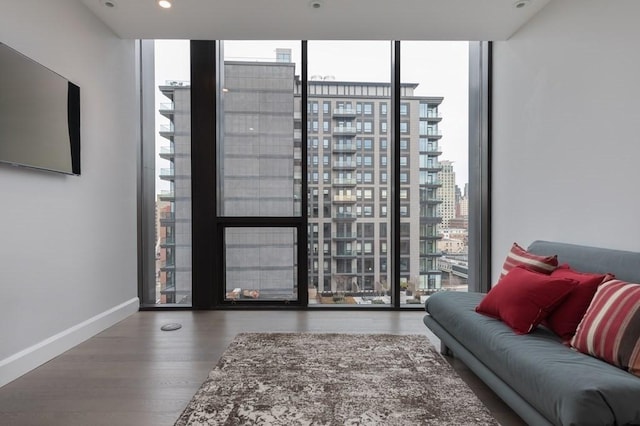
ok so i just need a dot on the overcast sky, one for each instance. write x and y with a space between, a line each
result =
439 67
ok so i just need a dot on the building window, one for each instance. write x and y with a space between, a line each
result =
368 144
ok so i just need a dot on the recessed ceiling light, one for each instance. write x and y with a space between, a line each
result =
109 3
165 4
521 3
315 4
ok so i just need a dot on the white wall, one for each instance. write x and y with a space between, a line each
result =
68 244
566 128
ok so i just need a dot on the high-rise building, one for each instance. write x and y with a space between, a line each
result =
447 179
174 269
350 169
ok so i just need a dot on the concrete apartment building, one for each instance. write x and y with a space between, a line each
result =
173 259
349 186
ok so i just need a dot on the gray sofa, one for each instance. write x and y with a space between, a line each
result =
541 379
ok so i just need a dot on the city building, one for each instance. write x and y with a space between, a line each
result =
349 188
173 266
448 192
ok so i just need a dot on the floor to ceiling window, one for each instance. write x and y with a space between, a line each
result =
259 169
166 104
434 150
349 106
324 173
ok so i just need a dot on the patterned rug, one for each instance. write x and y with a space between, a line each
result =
333 379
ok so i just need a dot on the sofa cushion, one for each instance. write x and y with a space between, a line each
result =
567 315
519 256
610 330
566 386
523 298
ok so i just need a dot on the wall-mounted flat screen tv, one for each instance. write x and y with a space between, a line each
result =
39 115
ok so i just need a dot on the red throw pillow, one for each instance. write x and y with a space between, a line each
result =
565 318
610 330
519 256
523 298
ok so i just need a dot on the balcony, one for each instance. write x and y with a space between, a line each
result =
166 218
432 236
432 116
166 195
434 183
167 152
344 181
432 134
344 217
430 255
169 266
435 167
344 112
345 253
344 199
344 147
167 130
167 109
432 150
344 165
167 242
432 201
167 174
345 236
430 220
344 130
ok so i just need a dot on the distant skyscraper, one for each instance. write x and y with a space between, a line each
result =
447 192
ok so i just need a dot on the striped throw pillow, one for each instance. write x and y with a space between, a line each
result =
519 256
610 329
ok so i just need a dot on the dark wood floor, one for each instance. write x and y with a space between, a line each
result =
136 374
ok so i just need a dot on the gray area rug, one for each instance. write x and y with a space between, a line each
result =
333 379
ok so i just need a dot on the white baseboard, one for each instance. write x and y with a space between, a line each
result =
26 360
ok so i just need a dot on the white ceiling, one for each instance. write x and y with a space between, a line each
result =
334 20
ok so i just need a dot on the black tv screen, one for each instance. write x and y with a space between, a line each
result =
39 115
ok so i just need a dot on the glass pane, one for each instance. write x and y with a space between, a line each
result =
173 171
435 95
261 264
260 147
349 96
